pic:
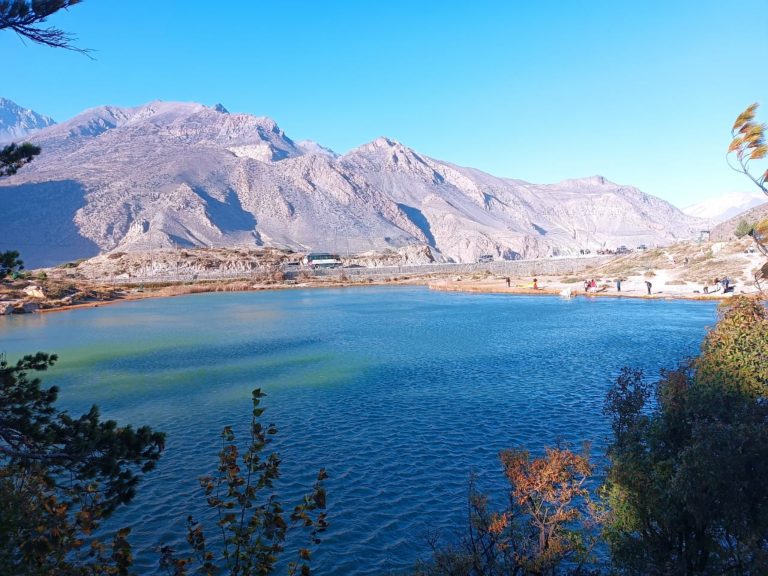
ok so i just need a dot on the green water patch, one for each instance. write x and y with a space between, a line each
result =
288 369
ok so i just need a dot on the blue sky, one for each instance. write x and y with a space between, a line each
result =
641 92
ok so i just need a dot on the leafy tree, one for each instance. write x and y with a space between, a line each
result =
547 528
10 263
735 352
13 157
60 476
689 460
251 522
26 16
743 228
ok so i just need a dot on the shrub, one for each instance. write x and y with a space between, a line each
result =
743 228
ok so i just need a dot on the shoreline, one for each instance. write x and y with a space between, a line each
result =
485 288
158 294
468 287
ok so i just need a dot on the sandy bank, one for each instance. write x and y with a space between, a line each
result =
629 289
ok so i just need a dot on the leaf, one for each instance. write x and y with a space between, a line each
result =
745 116
759 152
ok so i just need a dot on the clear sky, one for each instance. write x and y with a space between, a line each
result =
641 92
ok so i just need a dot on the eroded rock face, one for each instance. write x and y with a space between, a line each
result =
34 291
182 175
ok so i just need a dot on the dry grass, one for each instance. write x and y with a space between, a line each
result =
203 287
706 270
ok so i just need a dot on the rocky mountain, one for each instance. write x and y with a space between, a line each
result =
724 207
178 174
16 122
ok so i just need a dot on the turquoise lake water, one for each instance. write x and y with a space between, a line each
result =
398 392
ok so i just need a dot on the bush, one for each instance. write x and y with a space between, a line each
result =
689 459
10 264
743 228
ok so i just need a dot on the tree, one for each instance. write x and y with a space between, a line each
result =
26 16
748 145
60 476
10 263
689 459
251 522
13 157
547 528
743 228
735 352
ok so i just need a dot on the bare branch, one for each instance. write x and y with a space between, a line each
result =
26 18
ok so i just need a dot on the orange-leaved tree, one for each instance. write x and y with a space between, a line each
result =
548 527
747 146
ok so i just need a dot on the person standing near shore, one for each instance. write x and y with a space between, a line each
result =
618 284
508 280
648 285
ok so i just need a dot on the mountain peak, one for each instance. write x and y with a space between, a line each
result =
588 181
16 121
220 108
379 145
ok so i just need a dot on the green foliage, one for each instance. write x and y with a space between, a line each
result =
251 521
10 263
60 476
735 353
13 157
743 228
689 461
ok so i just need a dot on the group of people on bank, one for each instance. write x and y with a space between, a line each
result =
591 286
719 284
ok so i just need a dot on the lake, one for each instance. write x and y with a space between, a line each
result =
398 392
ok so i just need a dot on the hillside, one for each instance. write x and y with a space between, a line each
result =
170 174
726 230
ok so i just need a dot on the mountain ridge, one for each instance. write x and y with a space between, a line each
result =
17 122
183 174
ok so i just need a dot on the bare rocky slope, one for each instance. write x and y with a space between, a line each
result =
168 175
16 121
727 230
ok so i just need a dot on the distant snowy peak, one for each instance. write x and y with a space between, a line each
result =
16 122
724 207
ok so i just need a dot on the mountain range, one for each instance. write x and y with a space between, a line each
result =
187 175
